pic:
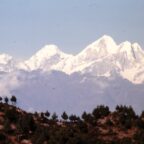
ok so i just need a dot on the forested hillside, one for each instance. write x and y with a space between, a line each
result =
100 126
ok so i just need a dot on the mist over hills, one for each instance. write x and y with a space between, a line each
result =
103 73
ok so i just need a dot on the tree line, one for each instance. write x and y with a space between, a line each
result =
101 126
13 99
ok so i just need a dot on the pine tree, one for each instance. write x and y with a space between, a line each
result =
47 114
54 117
64 116
6 100
13 100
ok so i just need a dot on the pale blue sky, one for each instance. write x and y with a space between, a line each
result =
28 25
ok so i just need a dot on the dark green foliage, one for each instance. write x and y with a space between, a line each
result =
126 116
54 117
6 100
140 123
1 99
82 127
13 100
40 135
126 141
47 114
127 111
139 136
7 127
100 111
142 114
42 115
88 118
109 122
84 116
64 116
2 137
11 114
99 127
73 118
27 123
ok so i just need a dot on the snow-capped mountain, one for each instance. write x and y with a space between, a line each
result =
103 73
104 56
44 59
101 58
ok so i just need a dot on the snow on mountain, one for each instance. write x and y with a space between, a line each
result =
133 52
101 58
94 52
44 59
103 73
132 62
98 49
104 56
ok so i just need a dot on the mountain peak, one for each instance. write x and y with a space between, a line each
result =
126 44
100 48
48 50
132 51
105 44
45 58
106 38
108 43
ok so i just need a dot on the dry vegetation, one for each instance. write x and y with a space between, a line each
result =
101 126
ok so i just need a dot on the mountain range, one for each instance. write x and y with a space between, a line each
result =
103 73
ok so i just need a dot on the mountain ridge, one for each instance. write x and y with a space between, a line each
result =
90 78
104 52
